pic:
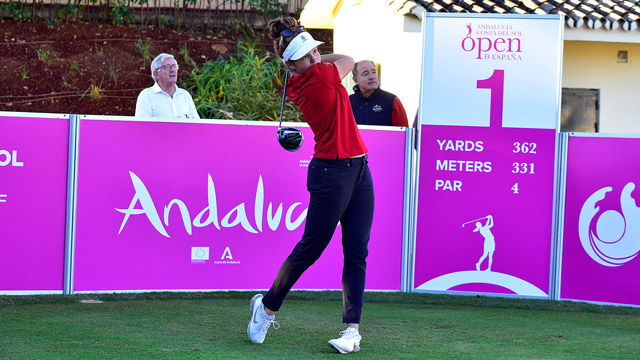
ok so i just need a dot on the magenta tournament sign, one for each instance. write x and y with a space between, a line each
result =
191 206
601 239
489 115
33 196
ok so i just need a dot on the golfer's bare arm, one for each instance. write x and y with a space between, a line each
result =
344 63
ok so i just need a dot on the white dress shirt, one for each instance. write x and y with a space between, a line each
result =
154 102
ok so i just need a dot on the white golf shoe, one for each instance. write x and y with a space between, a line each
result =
348 342
260 321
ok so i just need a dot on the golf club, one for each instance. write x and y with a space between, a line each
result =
474 220
289 138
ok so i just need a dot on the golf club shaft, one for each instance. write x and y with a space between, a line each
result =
284 96
463 224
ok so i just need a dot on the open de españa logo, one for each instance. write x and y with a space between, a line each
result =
493 42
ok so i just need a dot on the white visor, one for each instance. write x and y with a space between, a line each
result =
300 46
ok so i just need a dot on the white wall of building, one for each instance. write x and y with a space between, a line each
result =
593 65
372 30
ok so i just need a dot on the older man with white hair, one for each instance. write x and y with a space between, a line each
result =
165 98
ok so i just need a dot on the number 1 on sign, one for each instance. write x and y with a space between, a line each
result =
496 84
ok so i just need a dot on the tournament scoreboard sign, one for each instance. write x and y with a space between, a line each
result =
489 113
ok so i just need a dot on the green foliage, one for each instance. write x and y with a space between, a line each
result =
122 13
16 10
244 87
113 72
94 91
67 12
269 8
180 14
43 53
52 22
24 73
144 47
162 19
243 27
177 18
73 65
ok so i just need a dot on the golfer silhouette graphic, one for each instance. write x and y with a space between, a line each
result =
489 241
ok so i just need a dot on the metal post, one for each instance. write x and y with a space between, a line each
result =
408 215
72 182
561 187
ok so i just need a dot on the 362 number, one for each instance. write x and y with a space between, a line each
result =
524 148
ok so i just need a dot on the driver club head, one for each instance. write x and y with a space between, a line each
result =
290 138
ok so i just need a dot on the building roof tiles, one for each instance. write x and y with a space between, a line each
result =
594 14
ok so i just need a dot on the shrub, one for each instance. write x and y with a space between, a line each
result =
244 87
144 47
43 53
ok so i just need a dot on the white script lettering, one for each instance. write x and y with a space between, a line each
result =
237 215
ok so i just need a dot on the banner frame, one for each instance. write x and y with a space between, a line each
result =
40 116
562 178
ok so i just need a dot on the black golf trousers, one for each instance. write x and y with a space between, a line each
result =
340 190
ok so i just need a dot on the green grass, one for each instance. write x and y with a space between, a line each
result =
394 326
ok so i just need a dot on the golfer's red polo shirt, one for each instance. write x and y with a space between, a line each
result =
324 102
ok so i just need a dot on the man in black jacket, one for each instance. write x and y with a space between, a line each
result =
372 105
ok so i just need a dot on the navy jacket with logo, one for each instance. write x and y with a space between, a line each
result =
374 110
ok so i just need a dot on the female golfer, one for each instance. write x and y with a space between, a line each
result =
338 180
489 241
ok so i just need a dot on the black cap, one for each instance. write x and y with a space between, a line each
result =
290 138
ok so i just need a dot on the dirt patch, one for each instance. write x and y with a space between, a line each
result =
97 69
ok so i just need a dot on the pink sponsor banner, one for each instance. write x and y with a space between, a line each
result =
601 239
33 196
485 210
182 206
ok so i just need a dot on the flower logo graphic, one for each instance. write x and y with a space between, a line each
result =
615 238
